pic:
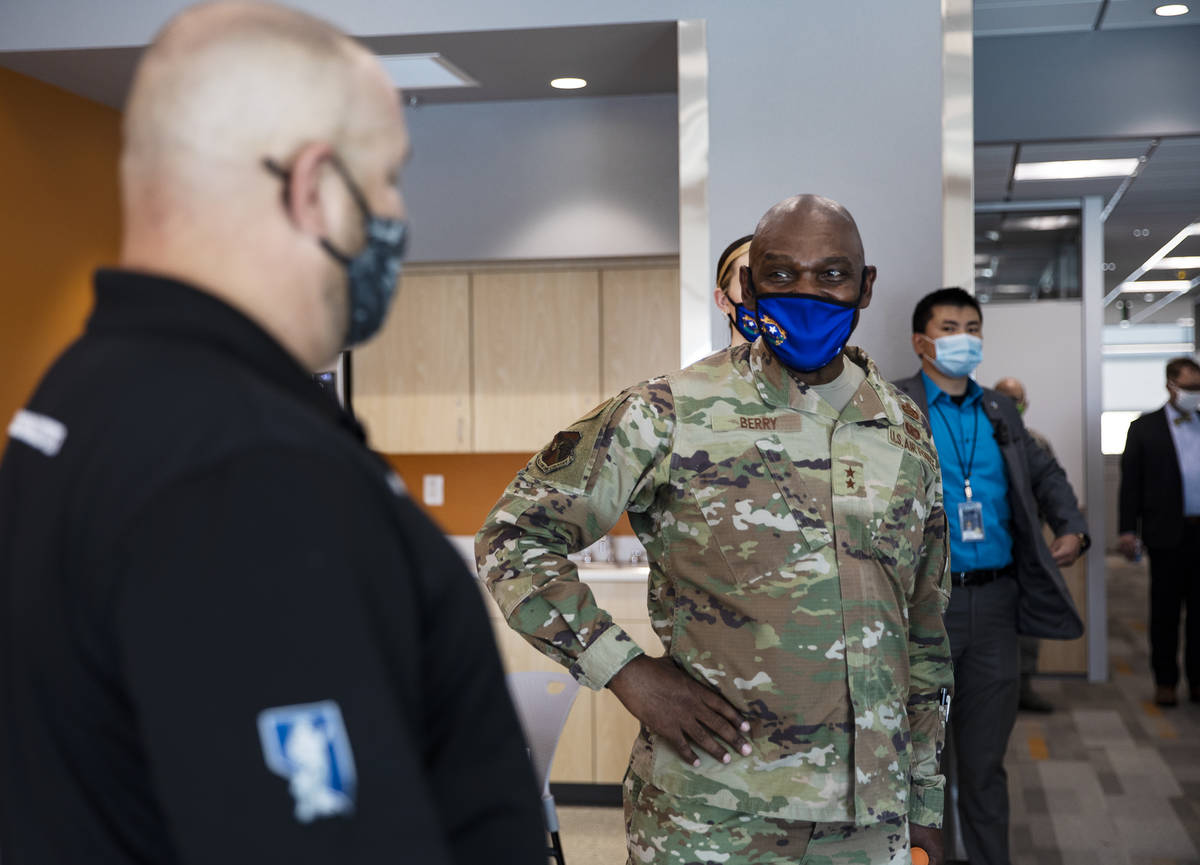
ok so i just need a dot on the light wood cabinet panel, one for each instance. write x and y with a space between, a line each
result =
412 383
596 741
575 759
615 731
640 325
536 355
615 727
1068 656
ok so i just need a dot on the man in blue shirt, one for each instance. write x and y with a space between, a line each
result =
1005 579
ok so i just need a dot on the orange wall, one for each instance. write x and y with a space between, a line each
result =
473 484
59 220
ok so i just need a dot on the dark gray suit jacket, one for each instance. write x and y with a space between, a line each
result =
1151 495
1035 481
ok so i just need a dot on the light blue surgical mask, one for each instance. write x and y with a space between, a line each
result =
958 354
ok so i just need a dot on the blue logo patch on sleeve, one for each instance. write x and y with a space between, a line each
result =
308 745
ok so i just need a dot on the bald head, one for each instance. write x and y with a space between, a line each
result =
224 87
807 213
808 244
1012 388
226 80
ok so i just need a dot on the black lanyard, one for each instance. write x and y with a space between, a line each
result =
964 467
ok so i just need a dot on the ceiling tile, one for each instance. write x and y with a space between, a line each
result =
993 162
1047 189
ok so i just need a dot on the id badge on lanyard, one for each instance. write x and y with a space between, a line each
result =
970 512
970 518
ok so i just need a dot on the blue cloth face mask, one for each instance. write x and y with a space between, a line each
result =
804 331
373 271
744 320
958 354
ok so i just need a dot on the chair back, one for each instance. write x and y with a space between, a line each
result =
543 701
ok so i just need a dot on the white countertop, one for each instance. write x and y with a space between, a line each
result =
615 574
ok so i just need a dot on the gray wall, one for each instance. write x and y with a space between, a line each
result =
844 99
563 178
1111 83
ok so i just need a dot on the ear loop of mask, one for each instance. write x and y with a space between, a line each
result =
285 174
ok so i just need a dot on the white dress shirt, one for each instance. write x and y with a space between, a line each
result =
1186 435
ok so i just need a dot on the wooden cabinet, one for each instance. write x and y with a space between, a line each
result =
1068 656
537 355
640 325
412 383
595 744
498 358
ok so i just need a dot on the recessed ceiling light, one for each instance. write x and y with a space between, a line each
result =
1171 9
1075 169
568 83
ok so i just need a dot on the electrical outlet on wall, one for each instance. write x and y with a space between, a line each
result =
433 490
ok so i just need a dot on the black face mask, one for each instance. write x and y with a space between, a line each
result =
373 271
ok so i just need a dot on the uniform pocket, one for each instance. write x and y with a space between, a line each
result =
758 511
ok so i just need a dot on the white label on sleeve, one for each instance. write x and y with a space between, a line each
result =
38 431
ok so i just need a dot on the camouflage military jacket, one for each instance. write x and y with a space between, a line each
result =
798 566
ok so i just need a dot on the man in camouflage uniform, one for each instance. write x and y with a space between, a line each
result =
793 522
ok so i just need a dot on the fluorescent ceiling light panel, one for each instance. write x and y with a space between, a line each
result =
1075 169
1156 285
1170 10
424 71
1179 262
1041 223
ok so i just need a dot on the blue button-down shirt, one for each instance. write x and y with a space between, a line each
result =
1186 436
960 424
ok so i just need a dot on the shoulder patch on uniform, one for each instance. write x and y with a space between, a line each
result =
912 442
911 410
560 453
308 745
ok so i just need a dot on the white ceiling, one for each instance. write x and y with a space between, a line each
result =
615 59
627 59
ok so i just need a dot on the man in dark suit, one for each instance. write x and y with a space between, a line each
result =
1160 495
1005 579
